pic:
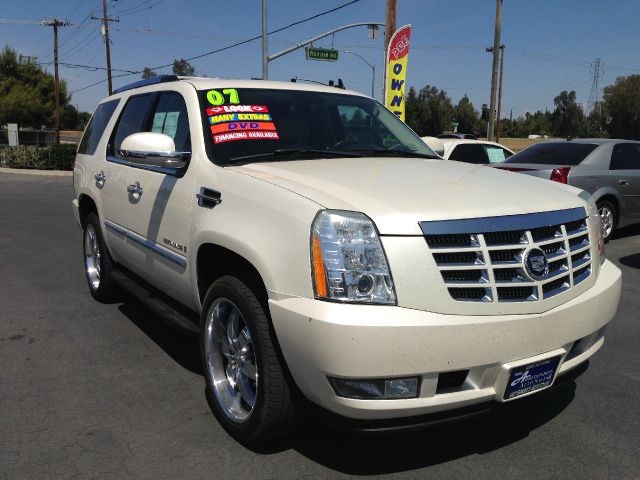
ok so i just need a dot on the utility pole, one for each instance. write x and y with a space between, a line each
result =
502 47
55 23
389 30
265 50
105 25
494 70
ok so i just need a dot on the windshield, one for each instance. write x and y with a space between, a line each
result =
244 125
554 153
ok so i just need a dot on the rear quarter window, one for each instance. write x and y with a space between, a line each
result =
95 129
625 156
469 153
554 153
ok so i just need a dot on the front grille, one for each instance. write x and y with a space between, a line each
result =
451 241
480 261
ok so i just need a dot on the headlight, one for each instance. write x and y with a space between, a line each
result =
347 260
597 224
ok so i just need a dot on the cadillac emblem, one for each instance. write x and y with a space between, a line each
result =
536 264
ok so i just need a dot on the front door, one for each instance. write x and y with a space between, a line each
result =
157 217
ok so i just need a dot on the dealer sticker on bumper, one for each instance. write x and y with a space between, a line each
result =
531 377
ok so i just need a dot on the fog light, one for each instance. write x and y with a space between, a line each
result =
372 389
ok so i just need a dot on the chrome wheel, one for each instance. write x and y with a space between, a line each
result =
92 256
607 217
230 360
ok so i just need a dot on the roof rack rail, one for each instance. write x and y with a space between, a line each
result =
147 81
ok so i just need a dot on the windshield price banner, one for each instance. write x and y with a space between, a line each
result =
397 58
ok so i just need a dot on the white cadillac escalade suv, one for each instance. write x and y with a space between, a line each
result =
329 261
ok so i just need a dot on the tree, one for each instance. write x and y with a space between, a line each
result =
69 118
465 115
429 112
27 93
183 68
568 118
148 73
621 107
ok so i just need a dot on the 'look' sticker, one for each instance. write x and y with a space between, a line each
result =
240 117
236 108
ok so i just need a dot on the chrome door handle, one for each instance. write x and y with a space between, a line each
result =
100 179
624 183
135 189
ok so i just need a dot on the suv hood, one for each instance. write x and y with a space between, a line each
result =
397 193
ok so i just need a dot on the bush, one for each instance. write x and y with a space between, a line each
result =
57 157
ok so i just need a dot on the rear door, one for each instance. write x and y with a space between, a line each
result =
624 171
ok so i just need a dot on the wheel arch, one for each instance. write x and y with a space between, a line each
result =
86 205
214 260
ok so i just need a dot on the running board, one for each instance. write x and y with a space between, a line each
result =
166 308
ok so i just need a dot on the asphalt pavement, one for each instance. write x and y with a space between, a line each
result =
89 390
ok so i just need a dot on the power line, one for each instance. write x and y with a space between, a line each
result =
76 8
137 9
101 81
248 40
93 68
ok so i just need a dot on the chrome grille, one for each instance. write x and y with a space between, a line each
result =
482 260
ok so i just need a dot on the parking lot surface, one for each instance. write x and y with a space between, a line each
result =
89 390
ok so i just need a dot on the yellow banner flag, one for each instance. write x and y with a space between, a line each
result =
397 58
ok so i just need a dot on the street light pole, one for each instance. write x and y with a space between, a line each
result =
373 68
500 93
318 37
494 69
265 52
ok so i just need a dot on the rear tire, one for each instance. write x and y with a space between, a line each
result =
609 218
247 386
97 261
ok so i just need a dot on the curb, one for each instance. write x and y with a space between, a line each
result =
41 173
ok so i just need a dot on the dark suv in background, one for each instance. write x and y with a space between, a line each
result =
608 169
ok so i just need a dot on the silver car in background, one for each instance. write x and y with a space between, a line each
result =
608 169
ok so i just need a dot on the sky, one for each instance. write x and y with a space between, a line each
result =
551 45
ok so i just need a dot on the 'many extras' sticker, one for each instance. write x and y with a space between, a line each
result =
250 135
240 117
236 108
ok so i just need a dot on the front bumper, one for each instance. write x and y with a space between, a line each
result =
321 339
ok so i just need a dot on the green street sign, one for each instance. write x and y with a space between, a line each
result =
325 54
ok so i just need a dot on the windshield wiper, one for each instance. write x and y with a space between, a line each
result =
394 153
286 154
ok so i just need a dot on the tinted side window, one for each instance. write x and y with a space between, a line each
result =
132 120
625 156
554 153
95 129
469 153
170 117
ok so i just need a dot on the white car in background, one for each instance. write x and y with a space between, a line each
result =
468 151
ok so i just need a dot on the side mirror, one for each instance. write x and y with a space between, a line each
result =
149 149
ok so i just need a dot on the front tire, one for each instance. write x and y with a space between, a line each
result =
247 386
97 261
609 218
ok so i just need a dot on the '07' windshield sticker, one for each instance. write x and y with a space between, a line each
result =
231 121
